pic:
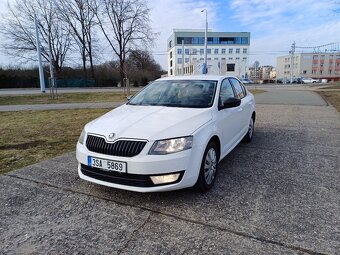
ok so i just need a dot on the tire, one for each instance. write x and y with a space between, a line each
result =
208 170
249 136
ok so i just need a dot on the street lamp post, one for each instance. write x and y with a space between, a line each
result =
205 66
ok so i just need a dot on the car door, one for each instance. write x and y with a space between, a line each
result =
228 119
246 105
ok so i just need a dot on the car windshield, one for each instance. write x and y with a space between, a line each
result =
177 93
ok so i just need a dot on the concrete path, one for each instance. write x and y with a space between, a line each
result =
272 96
34 91
289 97
278 195
41 107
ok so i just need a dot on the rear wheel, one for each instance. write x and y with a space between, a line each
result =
206 178
249 136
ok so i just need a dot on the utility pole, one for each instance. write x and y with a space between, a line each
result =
292 51
182 57
41 70
205 65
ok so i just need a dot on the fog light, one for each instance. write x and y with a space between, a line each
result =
161 179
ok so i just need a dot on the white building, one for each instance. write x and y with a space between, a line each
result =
227 52
322 65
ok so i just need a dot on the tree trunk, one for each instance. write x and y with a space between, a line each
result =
83 53
91 60
121 72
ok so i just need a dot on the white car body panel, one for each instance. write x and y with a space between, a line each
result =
151 123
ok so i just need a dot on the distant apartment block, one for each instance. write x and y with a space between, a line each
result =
323 65
227 52
262 74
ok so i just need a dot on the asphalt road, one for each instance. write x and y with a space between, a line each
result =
278 195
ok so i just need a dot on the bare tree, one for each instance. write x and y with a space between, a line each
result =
80 17
124 23
19 32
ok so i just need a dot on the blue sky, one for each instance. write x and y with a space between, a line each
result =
273 24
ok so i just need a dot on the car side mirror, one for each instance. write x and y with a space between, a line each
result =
230 103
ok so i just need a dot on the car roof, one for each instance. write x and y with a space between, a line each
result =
197 77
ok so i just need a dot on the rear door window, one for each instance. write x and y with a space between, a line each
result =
240 92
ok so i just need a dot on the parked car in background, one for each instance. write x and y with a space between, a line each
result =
297 80
171 135
309 80
246 81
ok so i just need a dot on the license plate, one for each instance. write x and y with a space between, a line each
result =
108 165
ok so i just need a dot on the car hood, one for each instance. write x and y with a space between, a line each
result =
149 122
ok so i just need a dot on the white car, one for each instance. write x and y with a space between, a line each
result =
169 136
309 80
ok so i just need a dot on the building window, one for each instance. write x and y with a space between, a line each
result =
315 57
230 51
337 56
304 71
170 54
179 51
194 51
237 58
215 51
186 60
245 51
230 58
186 51
194 59
237 51
322 57
215 58
201 58
222 58
170 44
170 63
330 71
208 58
223 51
208 51
170 71
230 67
201 51
244 58
179 61
320 71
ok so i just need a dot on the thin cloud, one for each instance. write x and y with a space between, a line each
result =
274 25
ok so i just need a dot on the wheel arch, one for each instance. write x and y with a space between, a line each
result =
254 116
216 140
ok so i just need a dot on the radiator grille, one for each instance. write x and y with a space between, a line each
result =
121 148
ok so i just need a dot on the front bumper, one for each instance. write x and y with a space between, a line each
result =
141 167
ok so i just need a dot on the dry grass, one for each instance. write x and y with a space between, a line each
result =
336 86
256 91
333 97
63 98
31 136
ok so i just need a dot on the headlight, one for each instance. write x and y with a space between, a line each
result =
168 146
82 137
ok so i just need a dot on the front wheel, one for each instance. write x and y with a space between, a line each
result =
206 178
249 136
